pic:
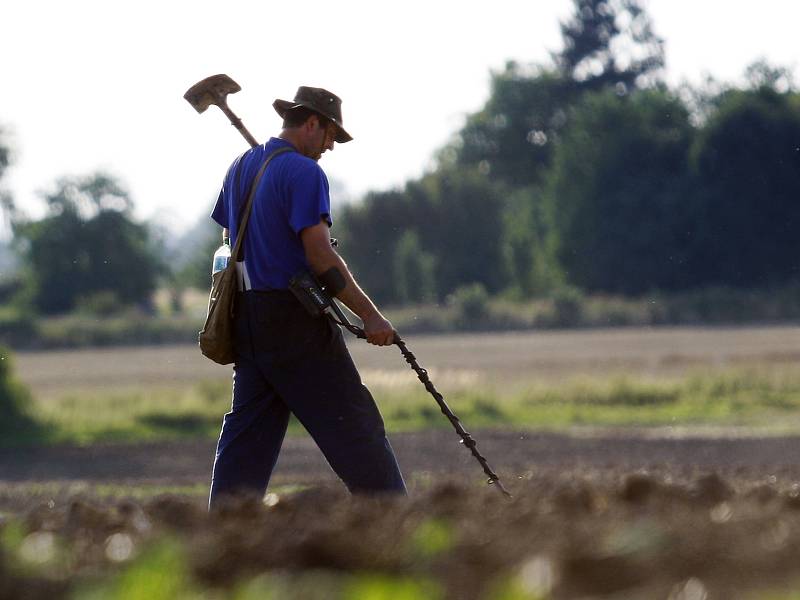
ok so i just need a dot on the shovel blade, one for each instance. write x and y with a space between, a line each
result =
211 90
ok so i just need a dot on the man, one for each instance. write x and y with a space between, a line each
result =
286 360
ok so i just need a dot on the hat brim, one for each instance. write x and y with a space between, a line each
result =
281 106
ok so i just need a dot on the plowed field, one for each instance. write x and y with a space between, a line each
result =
597 513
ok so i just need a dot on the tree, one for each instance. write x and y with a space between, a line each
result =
489 178
762 75
609 43
747 163
456 216
6 200
88 244
5 155
510 140
619 193
529 243
192 252
369 231
414 270
462 227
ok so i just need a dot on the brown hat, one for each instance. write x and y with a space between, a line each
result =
319 100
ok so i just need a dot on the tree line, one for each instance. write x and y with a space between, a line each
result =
584 172
589 172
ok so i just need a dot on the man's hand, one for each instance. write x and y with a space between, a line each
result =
379 330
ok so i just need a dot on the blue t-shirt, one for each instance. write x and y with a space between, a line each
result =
293 194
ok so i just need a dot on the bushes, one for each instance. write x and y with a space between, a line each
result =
128 329
16 326
469 308
16 423
471 303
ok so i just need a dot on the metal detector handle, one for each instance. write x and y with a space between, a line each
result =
345 322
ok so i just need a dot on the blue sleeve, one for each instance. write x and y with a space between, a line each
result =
219 214
309 197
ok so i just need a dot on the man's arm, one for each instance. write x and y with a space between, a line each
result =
322 257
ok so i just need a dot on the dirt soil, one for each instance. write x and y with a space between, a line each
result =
595 514
425 454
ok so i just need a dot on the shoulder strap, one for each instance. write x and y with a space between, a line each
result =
246 215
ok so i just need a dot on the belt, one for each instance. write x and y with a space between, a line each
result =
272 292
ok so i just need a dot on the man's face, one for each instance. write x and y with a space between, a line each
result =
320 139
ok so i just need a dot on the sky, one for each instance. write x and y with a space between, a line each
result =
98 85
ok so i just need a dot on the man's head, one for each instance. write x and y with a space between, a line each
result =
312 120
308 131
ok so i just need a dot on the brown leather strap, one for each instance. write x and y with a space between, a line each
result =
249 205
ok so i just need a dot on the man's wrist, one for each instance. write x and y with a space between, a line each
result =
371 312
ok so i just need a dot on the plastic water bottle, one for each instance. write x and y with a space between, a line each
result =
221 256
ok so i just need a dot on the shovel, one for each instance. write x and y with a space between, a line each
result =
214 90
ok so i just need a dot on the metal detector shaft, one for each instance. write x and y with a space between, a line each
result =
422 374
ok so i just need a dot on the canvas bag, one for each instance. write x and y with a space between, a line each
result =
216 336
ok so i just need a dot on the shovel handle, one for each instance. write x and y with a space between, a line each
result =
237 122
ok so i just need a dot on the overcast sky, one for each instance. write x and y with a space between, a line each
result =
90 85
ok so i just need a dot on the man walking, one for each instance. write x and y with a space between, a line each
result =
286 360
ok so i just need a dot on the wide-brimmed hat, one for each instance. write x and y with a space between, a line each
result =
319 100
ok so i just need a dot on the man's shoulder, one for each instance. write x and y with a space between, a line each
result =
253 157
297 166
291 157
290 163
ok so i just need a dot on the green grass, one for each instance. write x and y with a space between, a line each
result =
751 398
165 413
733 398
155 414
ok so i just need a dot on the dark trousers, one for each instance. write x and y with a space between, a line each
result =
288 362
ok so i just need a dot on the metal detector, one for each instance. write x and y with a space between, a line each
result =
466 439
